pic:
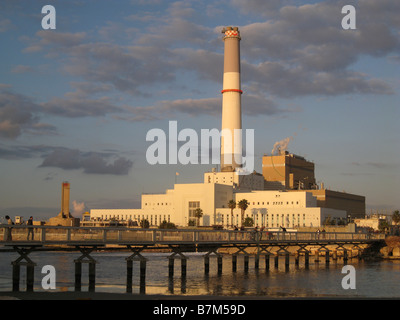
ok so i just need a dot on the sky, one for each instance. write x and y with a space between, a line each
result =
77 101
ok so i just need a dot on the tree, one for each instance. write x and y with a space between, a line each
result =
232 205
243 205
167 225
198 213
145 224
383 225
248 222
396 216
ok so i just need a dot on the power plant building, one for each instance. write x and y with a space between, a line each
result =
267 208
285 194
291 172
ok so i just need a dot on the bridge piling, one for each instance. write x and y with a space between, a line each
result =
307 259
129 274
171 262
183 267
267 262
16 268
219 262
246 263
142 283
85 258
78 275
345 256
92 276
287 260
316 256
257 262
206 264
296 259
276 260
234 263
15 276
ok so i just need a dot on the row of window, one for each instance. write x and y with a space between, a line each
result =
267 220
253 203
158 204
273 203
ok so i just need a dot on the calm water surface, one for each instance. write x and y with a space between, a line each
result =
373 279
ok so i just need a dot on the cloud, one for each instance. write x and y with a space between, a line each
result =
80 107
5 25
126 68
18 114
376 165
21 69
54 40
303 50
253 105
21 114
292 51
17 152
89 162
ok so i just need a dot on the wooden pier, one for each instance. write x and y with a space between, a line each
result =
246 244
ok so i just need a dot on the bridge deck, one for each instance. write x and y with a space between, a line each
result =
18 235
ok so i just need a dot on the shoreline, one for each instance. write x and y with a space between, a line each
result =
72 295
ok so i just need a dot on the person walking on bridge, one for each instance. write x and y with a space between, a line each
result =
8 232
30 228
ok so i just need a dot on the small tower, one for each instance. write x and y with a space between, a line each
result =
64 218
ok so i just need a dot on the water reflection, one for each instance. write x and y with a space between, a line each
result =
374 279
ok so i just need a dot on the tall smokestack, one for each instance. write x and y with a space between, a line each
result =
231 153
65 200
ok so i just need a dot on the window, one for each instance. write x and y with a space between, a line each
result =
193 205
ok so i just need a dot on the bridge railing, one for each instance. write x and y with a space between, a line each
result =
119 235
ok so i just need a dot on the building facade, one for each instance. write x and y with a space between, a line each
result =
287 171
267 208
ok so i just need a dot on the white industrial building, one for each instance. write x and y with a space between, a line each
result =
267 208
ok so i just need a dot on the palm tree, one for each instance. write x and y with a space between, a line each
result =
396 216
243 204
198 213
232 205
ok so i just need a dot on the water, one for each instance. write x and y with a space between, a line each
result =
379 279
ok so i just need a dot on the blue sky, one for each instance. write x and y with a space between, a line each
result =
76 102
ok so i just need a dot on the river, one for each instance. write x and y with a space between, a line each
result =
379 279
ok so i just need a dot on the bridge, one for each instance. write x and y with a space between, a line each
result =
25 239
